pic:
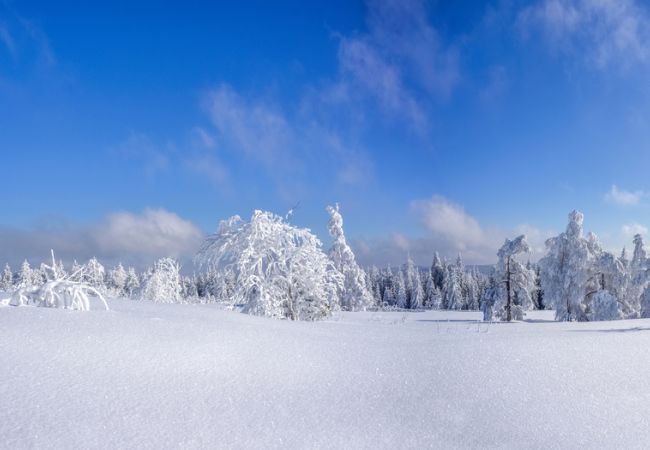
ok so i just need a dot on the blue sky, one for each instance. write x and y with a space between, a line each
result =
128 131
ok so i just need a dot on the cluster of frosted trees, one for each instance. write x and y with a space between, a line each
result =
161 282
442 286
266 266
582 282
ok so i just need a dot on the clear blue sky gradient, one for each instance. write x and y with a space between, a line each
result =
102 103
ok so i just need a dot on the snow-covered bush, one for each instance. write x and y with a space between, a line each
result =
604 306
355 295
58 291
278 270
163 282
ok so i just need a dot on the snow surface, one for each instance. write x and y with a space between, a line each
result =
147 375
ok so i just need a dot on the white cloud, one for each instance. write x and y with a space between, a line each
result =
256 129
605 32
400 58
630 229
136 239
154 232
450 230
449 220
624 198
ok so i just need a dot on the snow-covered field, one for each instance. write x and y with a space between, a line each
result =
146 375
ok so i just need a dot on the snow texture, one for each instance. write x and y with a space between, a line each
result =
153 376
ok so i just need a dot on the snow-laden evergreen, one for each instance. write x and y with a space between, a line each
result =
7 279
566 270
117 280
279 270
94 273
163 282
356 295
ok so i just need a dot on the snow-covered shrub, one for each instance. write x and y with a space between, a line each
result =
163 282
355 295
58 291
604 306
278 270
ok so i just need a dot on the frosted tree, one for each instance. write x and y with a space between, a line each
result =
413 286
94 273
25 275
7 280
437 271
189 291
512 296
132 282
117 277
644 306
56 291
639 257
399 288
473 290
566 270
452 291
278 270
356 295
432 294
374 284
163 282
605 306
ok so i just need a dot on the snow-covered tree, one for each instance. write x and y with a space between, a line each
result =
432 293
132 282
413 286
356 295
163 283
117 280
605 306
25 275
639 257
566 270
94 273
437 271
279 270
512 296
7 279
452 290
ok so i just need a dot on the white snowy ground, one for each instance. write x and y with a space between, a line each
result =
177 376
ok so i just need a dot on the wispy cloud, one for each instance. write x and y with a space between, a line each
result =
399 61
449 230
260 131
7 40
622 197
605 32
133 238
630 229
139 146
